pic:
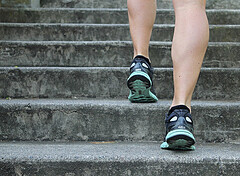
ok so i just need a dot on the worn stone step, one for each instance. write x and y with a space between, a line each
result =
103 16
104 54
216 4
89 32
116 158
108 120
20 3
96 3
108 82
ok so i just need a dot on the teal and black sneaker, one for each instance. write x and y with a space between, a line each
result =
179 129
140 81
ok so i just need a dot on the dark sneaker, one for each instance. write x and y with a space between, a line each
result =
179 129
140 81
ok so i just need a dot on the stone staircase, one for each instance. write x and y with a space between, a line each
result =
64 108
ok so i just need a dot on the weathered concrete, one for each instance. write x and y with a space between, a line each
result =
62 82
217 4
68 120
138 159
102 16
15 3
20 3
104 54
91 120
89 32
96 3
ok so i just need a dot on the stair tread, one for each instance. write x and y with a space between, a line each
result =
116 158
101 9
110 102
115 152
112 42
157 69
104 25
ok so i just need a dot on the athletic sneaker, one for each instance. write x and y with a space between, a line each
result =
179 129
140 81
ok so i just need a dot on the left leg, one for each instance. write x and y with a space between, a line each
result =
142 15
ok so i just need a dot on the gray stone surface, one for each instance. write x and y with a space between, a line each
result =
102 16
217 4
96 120
229 4
15 3
20 3
109 32
96 3
109 120
104 54
103 82
140 159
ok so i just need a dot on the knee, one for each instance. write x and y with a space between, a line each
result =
189 3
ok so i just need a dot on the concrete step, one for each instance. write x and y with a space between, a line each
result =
107 120
20 3
89 32
217 4
104 54
102 16
108 82
131 159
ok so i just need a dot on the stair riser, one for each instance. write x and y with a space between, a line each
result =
97 3
103 16
229 4
109 54
137 168
110 32
214 84
20 3
108 121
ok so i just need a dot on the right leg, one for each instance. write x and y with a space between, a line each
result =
188 49
142 15
189 46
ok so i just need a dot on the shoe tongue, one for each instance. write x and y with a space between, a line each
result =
178 107
142 57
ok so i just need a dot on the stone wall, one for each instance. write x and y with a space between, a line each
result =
20 3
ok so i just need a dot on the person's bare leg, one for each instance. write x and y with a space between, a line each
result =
190 41
189 46
142 15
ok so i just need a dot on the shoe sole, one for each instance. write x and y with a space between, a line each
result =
140 84
179 140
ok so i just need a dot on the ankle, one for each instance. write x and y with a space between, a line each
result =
178 107
176 102
144 56
181 104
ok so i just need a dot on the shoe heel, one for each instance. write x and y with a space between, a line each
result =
180 139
